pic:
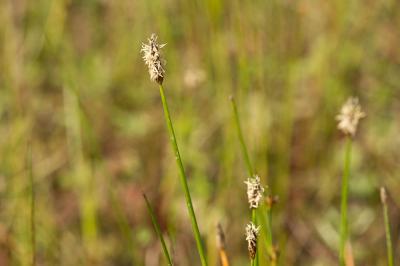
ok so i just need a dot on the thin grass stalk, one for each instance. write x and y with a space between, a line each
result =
243 146
183 178
249 166
389 247
255 262
32 206
344 203
158 231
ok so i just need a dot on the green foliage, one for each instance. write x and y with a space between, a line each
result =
73 83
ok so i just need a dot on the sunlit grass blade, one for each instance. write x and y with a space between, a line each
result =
183 178
345 189
158 231
387 228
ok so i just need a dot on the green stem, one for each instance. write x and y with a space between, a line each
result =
241 139
345 189
158 230
254 220
32 206
250 170
183 178
269 229
388 236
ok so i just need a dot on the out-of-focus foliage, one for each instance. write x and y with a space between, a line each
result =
73 85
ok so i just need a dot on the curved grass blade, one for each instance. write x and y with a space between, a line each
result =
158 230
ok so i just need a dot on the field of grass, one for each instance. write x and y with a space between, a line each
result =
83 136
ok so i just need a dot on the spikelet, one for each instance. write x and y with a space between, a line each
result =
153 59
254 191
349 116
251 238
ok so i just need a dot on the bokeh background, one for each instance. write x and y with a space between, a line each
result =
76 95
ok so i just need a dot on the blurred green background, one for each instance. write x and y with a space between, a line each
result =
74 89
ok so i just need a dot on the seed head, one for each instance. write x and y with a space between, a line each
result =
251 238
153 59
254 191
349 116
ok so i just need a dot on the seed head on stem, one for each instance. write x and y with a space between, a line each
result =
349 116
153 59
254 191
251 238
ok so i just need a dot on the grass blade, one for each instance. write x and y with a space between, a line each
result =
158 230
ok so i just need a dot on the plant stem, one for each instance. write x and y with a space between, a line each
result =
250 171
241 139
158 230
345 189
32 206
183 178
387 229
254 220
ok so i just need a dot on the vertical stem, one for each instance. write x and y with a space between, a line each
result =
241 139
387 228
254 220
183 178
158 230
345 189
32 206
250 170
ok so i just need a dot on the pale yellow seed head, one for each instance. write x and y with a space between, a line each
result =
153 59
349 116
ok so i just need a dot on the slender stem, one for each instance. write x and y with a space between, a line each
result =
241 139
183 178
158 230
254 220
387 229
32 206
345 189
250 170
269 229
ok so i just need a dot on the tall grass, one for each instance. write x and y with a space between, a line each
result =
344 234
265 217
183 177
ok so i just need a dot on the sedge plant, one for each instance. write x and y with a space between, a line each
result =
255 194
348 118
155 63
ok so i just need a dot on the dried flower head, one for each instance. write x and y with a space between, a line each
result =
251 238
349 116
153 59
254 191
